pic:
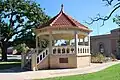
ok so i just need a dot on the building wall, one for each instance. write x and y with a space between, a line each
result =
114 40
108 40
96 41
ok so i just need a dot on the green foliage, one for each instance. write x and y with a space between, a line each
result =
17 18
97 58
27 38
21 48
117 20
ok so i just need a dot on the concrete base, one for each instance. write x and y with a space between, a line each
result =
83 61
53 61
44 64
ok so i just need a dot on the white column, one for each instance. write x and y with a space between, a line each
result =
36 45
89 43
76 43
34 57
50 50
83 41
34 62
50 44
69 42
40 44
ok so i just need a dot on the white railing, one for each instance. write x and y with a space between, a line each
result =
63 50
29 55
42 55
26 58
83 49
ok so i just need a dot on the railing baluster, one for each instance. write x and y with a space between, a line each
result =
70 50
46 52
87 50
43 54
40 57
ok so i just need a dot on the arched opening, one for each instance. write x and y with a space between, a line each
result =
101 48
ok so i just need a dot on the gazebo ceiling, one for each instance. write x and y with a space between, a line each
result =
62 20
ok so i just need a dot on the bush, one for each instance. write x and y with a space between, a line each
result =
113 57
97 58
21 48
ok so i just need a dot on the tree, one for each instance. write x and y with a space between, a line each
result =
28 38
17 18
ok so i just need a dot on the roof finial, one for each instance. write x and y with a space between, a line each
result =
62 7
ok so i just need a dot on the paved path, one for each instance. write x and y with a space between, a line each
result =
54 73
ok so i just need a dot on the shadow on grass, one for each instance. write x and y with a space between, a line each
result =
12 65
12 60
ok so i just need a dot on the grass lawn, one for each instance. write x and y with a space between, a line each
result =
111 73
9 64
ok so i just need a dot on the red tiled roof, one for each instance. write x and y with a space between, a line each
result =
63 20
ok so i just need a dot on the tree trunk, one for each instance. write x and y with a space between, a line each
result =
4 51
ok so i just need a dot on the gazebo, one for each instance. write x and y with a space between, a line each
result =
74 54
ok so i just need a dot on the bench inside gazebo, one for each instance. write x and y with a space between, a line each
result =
74 54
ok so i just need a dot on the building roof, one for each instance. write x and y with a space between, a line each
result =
63 20
114 33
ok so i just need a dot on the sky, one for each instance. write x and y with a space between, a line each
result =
81 10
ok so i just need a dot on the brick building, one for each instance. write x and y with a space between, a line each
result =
107 43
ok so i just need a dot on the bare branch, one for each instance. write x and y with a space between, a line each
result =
102 18
109 2
117 4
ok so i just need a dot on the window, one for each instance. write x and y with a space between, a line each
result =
63 60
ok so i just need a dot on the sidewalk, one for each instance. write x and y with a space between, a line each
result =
55 73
